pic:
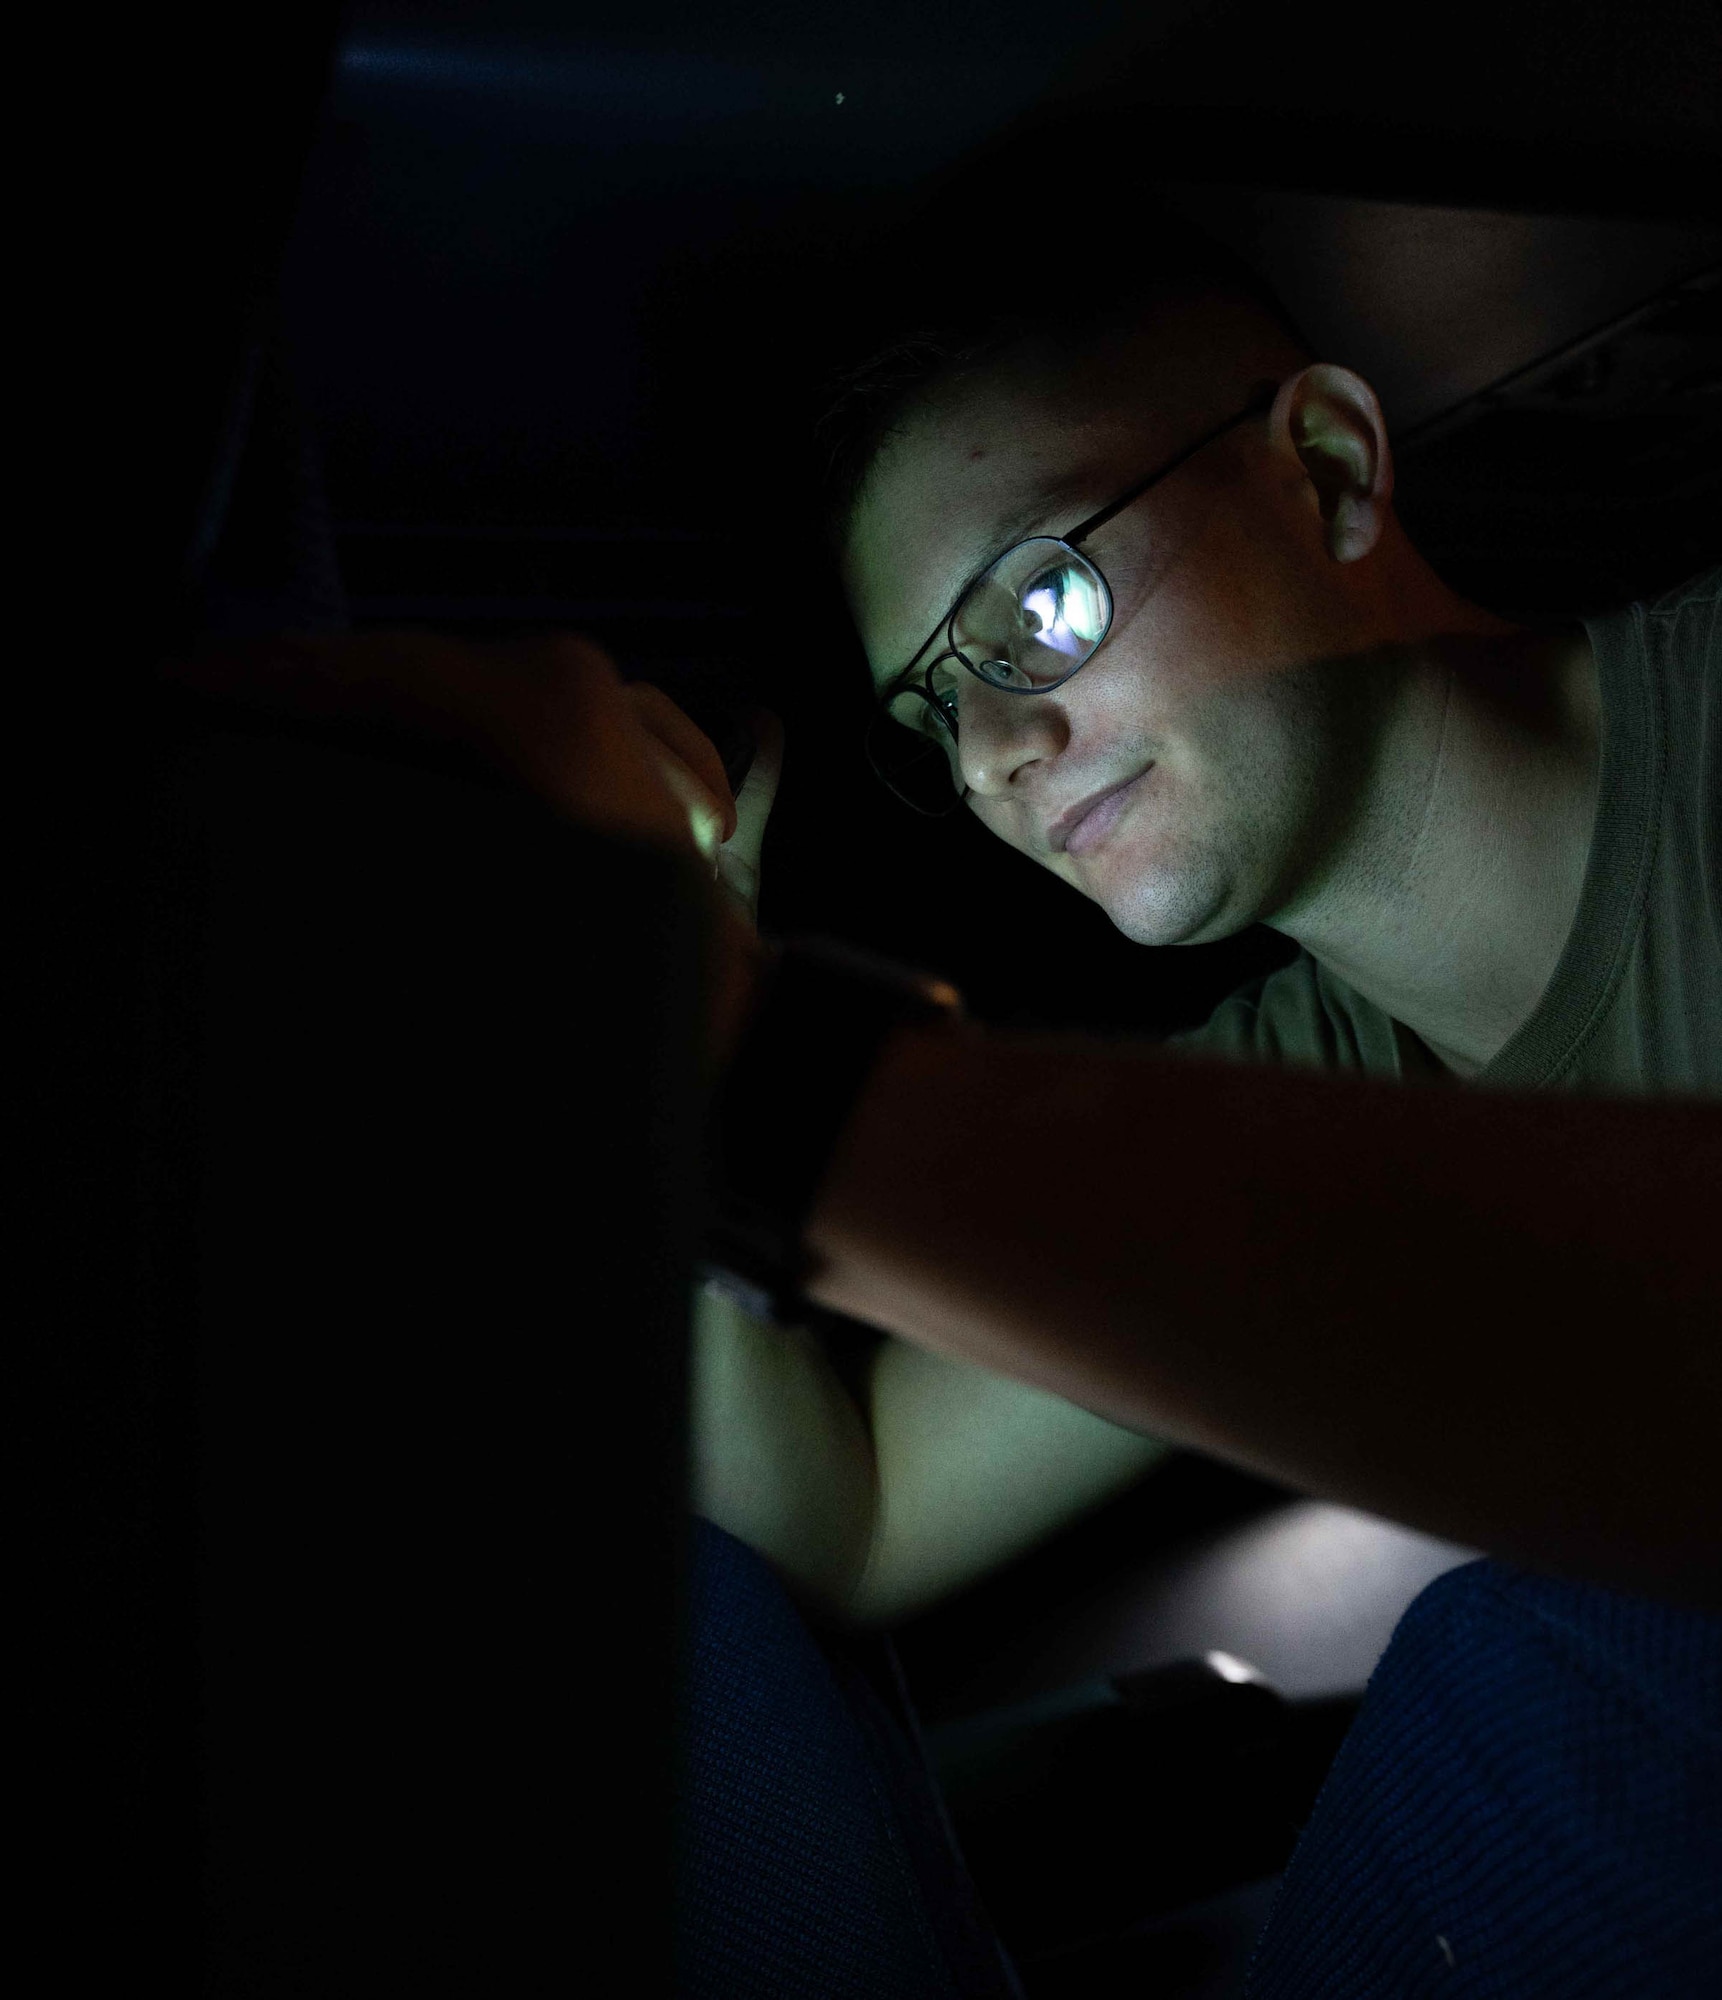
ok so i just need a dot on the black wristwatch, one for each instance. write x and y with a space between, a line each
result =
825 1011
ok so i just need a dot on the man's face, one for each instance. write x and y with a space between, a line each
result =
1220 686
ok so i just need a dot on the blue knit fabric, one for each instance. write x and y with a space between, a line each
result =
816 1861
1529 1804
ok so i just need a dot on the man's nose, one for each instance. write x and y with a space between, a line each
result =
999 733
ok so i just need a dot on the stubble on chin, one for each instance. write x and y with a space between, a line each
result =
1167 891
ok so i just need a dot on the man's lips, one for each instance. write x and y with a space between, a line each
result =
1059 833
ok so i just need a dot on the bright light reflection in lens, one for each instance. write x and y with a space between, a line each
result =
1066 613
1042 606
1082 608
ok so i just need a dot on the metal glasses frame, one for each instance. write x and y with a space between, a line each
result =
1261 401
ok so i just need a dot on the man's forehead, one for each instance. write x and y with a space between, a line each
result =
1029 450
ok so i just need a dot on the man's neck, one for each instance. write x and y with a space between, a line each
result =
1456 892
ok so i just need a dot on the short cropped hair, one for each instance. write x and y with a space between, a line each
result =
978 223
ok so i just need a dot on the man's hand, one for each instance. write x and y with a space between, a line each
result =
738 858
729 830
552 712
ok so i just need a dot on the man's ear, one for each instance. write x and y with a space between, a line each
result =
1331 421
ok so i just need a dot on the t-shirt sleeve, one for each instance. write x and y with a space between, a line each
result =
1300 1016
1688 627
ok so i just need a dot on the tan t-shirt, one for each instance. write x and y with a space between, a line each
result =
1635 1003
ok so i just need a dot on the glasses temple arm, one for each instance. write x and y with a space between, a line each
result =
1261 401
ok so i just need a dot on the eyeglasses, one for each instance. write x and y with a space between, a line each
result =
1025 624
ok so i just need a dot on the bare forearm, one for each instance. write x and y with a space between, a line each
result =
780 1453
1497 1319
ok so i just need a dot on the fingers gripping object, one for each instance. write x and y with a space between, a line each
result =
826 1011
722 756
713 697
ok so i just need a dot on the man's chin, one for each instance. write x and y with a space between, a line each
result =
1175 914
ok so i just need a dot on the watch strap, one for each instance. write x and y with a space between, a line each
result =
825 1011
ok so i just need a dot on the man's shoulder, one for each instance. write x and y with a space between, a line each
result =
1283 1017
1695 596
1300 1015
1684 629
1671 628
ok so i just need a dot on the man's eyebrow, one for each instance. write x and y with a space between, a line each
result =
1058 503
1048 511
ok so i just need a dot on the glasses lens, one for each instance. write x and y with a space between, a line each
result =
913 751
1027 625
1035 616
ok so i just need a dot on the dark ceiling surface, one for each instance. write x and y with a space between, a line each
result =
563 281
